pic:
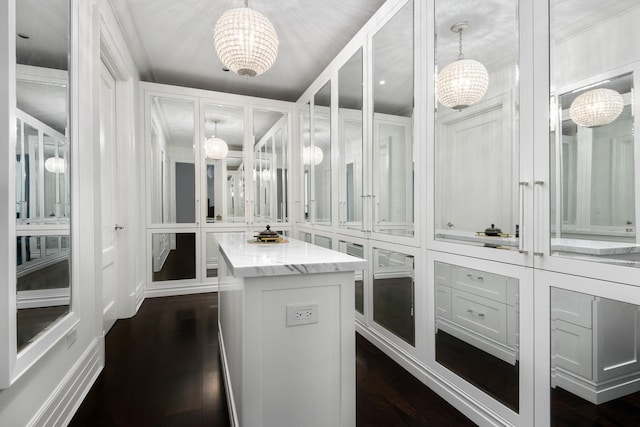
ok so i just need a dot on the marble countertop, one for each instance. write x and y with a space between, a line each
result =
593 247
276 259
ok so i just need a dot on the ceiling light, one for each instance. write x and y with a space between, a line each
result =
382 82
463 82
216 148
54 165
246 41
317 156
596 107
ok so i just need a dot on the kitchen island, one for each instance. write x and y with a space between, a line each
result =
287 333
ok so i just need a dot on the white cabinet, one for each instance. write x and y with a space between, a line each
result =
591 353
479 308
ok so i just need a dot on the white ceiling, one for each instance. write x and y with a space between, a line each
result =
172 41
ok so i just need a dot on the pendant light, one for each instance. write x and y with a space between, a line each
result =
246 41
596 107
463 82
54 165
216 148
308 157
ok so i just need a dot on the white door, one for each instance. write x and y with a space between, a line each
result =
108 168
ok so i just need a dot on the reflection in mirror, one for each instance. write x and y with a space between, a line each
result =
304 118
174 256
393 125
321 158
225 177
304 236
42 167
212 256
323 241
270 165
592 139
393 293
595 370
477 146
355 250
172 167
350 87
477 328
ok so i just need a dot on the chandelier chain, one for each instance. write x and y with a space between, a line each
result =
460 55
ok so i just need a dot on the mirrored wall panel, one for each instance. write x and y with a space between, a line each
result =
173 256
595 369
223 153
211 261
393 293
43 167
304 120
270 166
350 134
393 104
172 183
477 328
592 138
320 156
355 250
476 123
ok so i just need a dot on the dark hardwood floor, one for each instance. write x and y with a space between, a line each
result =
163 369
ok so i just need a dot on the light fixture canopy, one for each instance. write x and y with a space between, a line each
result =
314 157
55 165
596 107
216 148
463 82
246 41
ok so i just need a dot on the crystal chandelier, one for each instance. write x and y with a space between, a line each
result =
216 148
54 165
246 41
308 157
463 82
596 107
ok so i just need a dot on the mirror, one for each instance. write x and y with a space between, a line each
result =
355 250
321 158
270 166
393 159
172 161
476 128
211 262
323 241
304 236
174 256
393 293
592 143
225 177
595 370
304 119
350 134
43 167
477 328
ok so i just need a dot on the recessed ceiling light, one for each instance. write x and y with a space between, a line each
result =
382 82
23 36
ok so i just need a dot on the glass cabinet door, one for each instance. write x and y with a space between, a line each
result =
304 119
321 157
392 149
593 159
477 143
351 140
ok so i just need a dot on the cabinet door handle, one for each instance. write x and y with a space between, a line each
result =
522 185
536 240
471 276
475 313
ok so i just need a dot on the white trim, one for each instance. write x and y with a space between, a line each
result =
62 404
175 289
233 412
43 298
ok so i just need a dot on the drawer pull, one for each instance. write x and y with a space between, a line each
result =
471 276
475 313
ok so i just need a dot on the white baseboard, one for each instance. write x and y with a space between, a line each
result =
173 290
477 413
67 397
42 298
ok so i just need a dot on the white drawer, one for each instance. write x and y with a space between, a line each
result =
571 348
443 302
487 285
482 315
443 274
572 307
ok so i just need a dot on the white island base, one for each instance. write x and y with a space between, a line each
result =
286 329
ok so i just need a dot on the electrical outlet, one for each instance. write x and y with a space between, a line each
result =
302 314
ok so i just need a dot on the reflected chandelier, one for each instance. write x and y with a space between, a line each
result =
308 157
596 107
463 82
54 165
246 41
216 148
